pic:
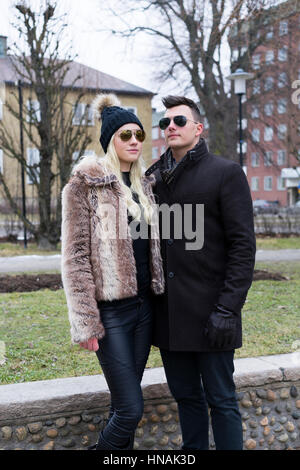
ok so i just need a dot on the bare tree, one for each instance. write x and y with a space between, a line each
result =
47 123
192 43
275 65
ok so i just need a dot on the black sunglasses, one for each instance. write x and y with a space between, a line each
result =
126 135
178 120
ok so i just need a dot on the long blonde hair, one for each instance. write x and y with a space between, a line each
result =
111 164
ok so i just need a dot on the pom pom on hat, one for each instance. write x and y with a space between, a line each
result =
104 101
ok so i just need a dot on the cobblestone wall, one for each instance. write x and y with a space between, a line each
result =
270 415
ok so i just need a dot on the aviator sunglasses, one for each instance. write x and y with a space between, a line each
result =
178 120
126 135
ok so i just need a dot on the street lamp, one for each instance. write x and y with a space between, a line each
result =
22 159
239 77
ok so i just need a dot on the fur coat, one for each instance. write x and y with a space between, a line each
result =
95 266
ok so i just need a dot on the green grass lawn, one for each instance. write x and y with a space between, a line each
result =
34 329
17 249
271 243
271 315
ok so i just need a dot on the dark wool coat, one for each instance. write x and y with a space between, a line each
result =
221 270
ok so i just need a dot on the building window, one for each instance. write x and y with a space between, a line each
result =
132 109
256 61
283 28
255 112
83 115
269 82
268 183
282 54
244 123
268 108
255 183
244 147
235 54
89 115
33 111
256 87
255 135
269 33
33 160
268 158
280 183
281 105
281 131
254 159
1 161
162 149
78 114
281 157
268 134
89 153
76 155
269 57
282 80
155 152
155 134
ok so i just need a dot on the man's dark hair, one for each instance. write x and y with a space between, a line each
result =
171 101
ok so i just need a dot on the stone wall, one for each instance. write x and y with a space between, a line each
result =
69 413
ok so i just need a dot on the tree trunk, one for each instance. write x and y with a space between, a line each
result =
223 128
45 244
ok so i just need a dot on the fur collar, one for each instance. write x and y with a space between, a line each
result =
92 172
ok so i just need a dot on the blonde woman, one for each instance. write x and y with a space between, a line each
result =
111 268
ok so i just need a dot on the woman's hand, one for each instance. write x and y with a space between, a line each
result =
91 344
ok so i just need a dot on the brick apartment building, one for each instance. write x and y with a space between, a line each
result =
272 153
272 124
158 139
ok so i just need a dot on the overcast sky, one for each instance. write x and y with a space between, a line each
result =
103 51
128 61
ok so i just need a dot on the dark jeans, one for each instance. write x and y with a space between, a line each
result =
123 354
198 380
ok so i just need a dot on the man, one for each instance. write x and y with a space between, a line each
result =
197 322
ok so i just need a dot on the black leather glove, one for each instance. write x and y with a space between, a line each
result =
221 327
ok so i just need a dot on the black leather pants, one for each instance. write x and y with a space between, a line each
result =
123 354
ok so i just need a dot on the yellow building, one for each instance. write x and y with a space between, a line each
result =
91 82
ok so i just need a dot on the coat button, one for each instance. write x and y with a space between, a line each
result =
170 241
171 274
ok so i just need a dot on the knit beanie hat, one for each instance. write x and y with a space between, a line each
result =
107 108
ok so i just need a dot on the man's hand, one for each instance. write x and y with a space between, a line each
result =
221 328
91 344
